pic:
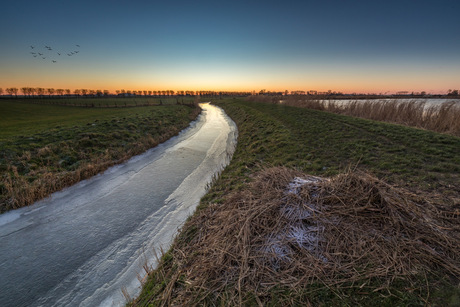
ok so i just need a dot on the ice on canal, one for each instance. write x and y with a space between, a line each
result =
85 244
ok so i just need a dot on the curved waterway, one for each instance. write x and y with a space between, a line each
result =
83 245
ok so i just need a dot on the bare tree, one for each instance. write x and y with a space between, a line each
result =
12 91
50 91
60 91
84 91
77 92
1 91
67 91
31 91
40 91
25 91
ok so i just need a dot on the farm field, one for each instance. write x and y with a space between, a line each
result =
104 102
406 171
45 148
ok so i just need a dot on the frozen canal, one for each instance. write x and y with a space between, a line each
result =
84 244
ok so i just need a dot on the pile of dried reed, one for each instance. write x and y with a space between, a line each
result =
294 230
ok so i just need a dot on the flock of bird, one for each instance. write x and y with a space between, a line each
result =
48 53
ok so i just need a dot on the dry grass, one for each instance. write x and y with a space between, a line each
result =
443 118
294 230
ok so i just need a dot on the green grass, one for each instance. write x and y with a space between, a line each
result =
322 143
104 102
325 144
44 148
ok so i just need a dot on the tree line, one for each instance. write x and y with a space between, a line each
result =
42 92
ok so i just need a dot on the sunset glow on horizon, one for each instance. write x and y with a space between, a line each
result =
348 47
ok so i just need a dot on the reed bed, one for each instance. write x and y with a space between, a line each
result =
443 118
288 229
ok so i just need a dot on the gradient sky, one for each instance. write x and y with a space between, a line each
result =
349 46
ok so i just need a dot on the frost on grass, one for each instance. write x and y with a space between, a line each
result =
301 231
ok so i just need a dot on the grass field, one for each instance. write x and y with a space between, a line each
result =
423 165
105 102
44 148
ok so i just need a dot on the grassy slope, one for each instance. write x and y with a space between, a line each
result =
325 144
44 148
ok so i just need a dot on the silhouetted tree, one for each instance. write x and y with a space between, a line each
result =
39 91
12 91
77 92
60 91
50 91
1 91
67 91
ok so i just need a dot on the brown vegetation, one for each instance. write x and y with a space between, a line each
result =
295 230
443 118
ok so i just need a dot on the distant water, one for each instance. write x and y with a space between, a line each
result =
428 101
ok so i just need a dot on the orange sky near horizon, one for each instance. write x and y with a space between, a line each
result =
345 80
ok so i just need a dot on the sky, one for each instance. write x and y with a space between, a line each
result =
347 46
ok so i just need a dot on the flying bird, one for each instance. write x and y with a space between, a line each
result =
78 46
32 47
58 53
54 61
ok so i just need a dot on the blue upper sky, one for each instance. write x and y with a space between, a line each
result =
364 46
